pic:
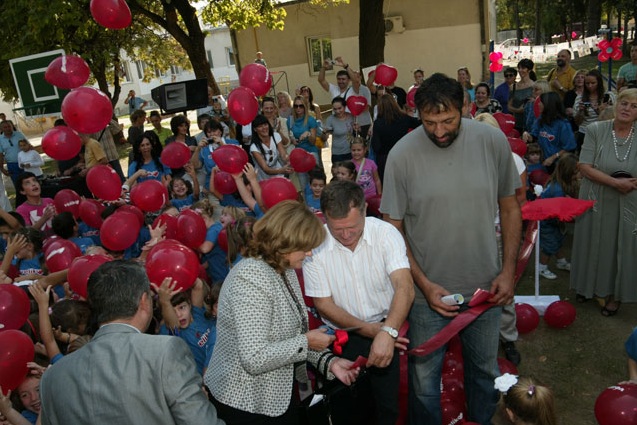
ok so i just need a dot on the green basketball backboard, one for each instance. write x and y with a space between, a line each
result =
38 97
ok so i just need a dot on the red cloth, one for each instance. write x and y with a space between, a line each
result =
562 208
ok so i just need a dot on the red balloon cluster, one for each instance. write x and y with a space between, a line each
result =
87 110
224 183
277 189
111 14
67 200
91 212
496 61
302 161
104 182
16 349
243 105
169 258
527 318
14 307
61 143
617 405
230 158
171 225
257 78
67 72
120 230
81 270
560 314
356 104
517 146
385 75
191 229
149 195
610 49
60 254
175 154
506 121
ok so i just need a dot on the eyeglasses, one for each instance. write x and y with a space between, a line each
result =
299 106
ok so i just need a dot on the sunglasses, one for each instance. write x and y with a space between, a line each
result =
299 106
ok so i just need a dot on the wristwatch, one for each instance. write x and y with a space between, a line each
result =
391 331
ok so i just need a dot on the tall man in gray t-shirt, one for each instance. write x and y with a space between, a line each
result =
443 184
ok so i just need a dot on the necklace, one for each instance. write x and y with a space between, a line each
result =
629 140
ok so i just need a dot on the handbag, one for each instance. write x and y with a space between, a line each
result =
621 174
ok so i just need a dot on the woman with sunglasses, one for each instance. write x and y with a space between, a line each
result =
267 151
501 93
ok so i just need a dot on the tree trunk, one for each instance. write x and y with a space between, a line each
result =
594 17
518 26
371 38
538 23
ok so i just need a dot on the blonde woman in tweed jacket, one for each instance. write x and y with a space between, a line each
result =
263 340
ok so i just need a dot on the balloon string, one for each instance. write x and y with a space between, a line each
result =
64 62
356 126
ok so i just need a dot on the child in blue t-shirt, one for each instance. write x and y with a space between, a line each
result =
185 316
183 193
24 255
317 180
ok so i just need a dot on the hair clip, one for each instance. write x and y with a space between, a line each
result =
531 390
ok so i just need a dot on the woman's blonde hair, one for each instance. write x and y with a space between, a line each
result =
287 227
306 109
530 402
203 207
487 118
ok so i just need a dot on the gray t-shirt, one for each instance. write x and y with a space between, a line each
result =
340 129
447 199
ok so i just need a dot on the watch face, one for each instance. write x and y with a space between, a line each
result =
391 331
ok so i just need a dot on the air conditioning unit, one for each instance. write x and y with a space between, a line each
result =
394 25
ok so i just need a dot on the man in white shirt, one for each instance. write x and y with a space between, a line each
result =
360 278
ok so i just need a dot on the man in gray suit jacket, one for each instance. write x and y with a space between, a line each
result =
124 376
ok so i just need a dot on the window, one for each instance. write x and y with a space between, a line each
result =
124 72
209 54
230 56
318 49
140 65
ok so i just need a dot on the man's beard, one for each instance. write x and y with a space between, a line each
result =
451 137
561 62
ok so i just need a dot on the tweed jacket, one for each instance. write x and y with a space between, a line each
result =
259 338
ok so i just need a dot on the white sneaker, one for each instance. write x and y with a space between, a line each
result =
563 265
547 274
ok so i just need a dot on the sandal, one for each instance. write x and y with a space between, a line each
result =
607 312
580 298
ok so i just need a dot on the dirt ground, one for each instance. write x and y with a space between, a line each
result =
578 362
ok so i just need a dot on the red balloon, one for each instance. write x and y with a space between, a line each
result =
411 97
385 75
373 205
175 154
191 229
60 254
111 14
540 177
149 195
302 161
277 189
560 314
104 182
67 200
67 72
91 212
513 133
256 77
119 231
171 259
617 405
170 222
61 143
506 121
14 307
527 318
356 104
230 158
222 240
87 110
133 209
243 105
48 241
536 107
224 183
16 349
506 366
517 146
80 271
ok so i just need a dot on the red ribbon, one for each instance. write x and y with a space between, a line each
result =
340 341
478 305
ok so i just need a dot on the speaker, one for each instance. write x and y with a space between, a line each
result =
182 96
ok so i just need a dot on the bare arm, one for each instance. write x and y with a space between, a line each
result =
46 330
622 185
165 292
246 195
321 77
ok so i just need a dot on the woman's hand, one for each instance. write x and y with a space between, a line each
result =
318 339
342 369
624 185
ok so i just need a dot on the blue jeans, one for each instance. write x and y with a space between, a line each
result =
480 352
